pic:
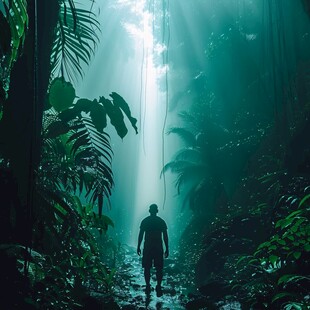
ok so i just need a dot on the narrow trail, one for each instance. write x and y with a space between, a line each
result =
131 293
129 289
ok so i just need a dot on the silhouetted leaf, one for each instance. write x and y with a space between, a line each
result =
98 115
116 116
57 128
76 39
121 103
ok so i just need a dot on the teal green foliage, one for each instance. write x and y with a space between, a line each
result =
14 24
250 239
14 19
76 159
75 41
278 266
61 94
74 177
77 151
67 259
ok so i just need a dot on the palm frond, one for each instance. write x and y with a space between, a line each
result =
92 150
187 136
188 153
176 166
75 43
187 118
185 170
191 174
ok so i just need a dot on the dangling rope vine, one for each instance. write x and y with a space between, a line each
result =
141 89
166 22
33 139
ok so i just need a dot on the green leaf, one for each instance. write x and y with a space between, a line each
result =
284 222
116 116
293 214
61 94
56 128
242 258
282 242
75 41
122 104
290 237
303 200
273 259
289 278
297 254
263 245
98 115
281 296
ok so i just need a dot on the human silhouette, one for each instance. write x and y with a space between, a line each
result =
154 230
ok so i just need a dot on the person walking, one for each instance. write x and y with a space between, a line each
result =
154 230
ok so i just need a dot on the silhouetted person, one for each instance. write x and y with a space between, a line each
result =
154 230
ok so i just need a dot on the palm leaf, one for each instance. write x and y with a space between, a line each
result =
92 150
188 153
187 136
75 43
187 118
193 173
177 166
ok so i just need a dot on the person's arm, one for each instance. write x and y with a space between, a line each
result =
165 235
140 238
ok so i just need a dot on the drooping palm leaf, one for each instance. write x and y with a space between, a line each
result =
192 173
188 153
92 150
75 43
187 136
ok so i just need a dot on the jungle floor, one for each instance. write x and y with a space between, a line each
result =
129 291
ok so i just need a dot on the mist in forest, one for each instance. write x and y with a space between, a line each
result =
199 107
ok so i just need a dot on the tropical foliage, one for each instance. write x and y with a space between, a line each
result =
73 178
275 274
76 37
253 248
13 23
77 154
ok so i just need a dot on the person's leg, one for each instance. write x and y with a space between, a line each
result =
147 275
159 264
147 264
159 276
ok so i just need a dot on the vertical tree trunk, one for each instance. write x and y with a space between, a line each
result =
20 128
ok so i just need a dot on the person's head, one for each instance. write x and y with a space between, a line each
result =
153 209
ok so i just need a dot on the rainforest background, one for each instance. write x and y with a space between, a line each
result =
200 106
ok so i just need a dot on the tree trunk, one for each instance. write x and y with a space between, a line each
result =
20 128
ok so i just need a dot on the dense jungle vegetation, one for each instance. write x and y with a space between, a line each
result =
55 157
243 170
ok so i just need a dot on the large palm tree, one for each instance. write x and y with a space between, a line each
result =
196 165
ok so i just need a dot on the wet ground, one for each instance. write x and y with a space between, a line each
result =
178 292
132 295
